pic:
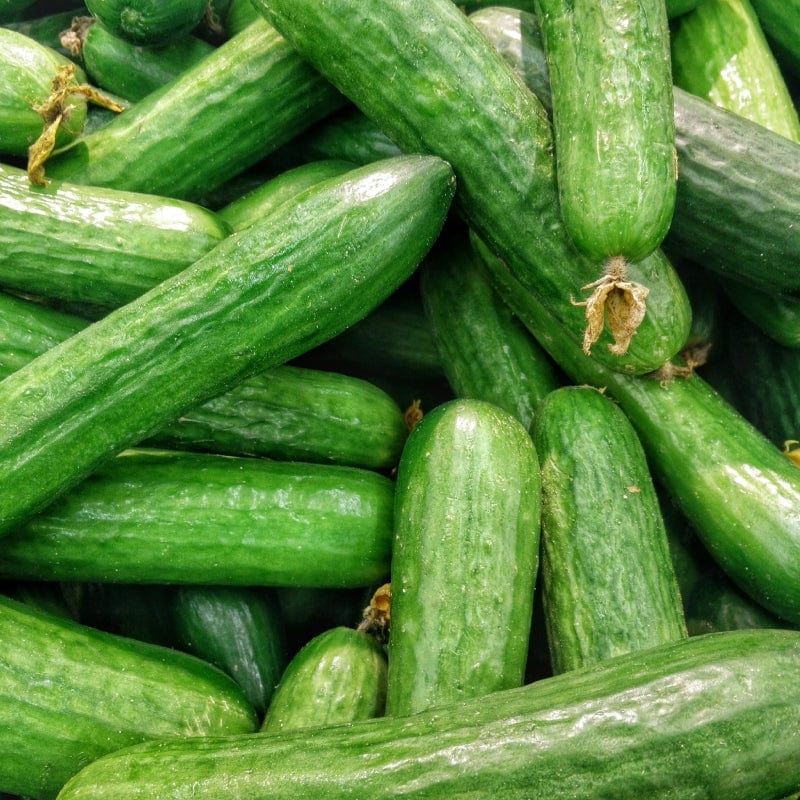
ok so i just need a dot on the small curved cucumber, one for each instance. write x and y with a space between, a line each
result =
464 559
148 22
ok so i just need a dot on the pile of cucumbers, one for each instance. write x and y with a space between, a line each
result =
399 398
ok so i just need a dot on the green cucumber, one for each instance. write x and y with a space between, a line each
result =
260 201
421 96
263 95
464 558
148 22
69 694
47 29
715 715
100 247
607 589
240 14
719 53
613 122
486 352
27 71
288 413
132 71
47 597
260 298
238 629
192 518
780 20
338 677
777 315
740 493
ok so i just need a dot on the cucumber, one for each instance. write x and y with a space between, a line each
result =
777 315
263 95
239 15
507 186
337 677
191 518
739 492
260 201
27 72
486 352
258 299
780 20
287 413
464 558
613 123
148 22
99 247
715 715
69 694
47 29
610 589
132 71
719 53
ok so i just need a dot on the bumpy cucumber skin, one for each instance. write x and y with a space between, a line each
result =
260 298
148 22
710 715
486 352
69 694
183 518
336 678
264 95
26 74
101 247
608 588
451 94
464 558
739 491
613 122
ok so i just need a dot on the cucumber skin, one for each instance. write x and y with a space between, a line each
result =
264 94
260 298
717 714
191 518
99 247
740 493
611 591
337 677
613 122
451 94
148 22
70 694
464 558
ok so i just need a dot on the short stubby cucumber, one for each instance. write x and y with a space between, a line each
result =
464 558
715 715
148 22
260 298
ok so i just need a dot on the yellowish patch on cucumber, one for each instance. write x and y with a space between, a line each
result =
413 414
55 111
792 451
614 300
72 38
377 615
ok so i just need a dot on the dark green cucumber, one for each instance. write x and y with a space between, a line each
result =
719 53
780 20
464 558
777 315
336 678
485 351
613 122
239 15
69 694
260 298
263 95
740 493
47 28
238 629
287 413
148 22
40 595
27 71
422 97
709 716
132 71
260 201
192 518
608 587
100 247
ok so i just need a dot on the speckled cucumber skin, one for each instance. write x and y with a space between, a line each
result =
712 715
611 88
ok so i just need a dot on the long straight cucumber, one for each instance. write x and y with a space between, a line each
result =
252 93
437 86
260 298
739 491
611 89
715 715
